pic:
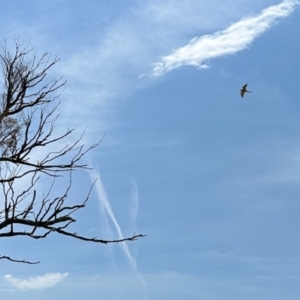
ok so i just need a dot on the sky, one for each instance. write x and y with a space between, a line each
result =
211 178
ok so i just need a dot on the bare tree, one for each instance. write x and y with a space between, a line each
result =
27 125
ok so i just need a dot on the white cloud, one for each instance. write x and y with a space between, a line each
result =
235 38
103 74
38 282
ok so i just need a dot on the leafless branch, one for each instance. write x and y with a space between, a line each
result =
19 260
30 149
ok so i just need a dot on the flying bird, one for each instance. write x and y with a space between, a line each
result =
244 90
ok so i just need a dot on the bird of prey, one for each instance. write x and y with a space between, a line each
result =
244 90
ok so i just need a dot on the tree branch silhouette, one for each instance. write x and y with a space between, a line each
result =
28 116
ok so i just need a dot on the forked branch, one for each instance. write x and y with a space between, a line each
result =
32 150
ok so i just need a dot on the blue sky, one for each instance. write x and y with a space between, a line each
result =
213 179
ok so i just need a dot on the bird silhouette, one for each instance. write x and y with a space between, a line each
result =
244 90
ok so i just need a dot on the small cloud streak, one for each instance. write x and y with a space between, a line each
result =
37 282
235 38
134 204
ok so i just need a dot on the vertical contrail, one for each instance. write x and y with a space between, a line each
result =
107 213
134 207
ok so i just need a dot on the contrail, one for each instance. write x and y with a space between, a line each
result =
134 204
107 212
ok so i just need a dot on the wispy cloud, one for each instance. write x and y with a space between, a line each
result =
103 74
102 63
38 282
107 212
235 38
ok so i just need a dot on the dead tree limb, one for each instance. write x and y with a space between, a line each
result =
28 115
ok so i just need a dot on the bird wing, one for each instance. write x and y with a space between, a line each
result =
244 89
